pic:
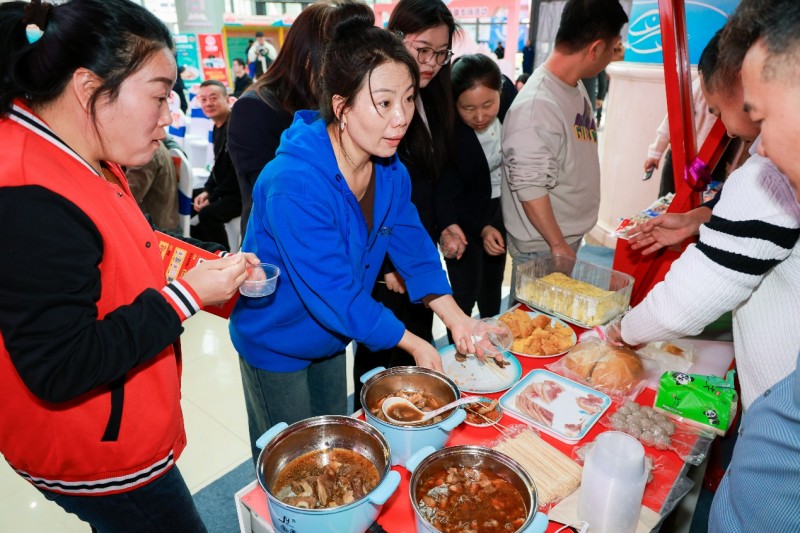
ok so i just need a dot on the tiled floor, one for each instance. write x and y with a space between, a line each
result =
216 425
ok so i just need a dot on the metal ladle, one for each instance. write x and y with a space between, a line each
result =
412 415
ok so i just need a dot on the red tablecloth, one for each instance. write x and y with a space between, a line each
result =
397 515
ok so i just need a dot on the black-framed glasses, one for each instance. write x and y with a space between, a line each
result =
426 53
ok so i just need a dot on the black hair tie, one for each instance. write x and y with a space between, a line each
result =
36 13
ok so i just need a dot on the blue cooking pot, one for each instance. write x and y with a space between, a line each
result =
405 440
427 462
282 444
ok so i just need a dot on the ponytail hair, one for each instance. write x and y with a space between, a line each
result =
111 38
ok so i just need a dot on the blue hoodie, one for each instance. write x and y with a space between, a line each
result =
306 221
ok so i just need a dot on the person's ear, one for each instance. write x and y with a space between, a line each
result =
84 84
337 103
596 49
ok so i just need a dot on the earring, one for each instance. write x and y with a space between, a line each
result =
342 124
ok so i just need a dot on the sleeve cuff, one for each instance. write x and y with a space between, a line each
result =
182 298
532 193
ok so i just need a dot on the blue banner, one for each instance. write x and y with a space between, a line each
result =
703 19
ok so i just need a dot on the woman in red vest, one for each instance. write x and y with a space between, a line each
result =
89 353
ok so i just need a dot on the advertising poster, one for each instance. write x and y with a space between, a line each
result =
212 57
703 19
187 57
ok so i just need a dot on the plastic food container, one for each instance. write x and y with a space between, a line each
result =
572 303
261 280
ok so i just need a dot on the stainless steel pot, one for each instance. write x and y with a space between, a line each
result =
426 462
283 443
405 440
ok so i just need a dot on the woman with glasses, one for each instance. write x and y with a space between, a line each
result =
427 28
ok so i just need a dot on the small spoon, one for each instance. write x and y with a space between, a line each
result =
411 415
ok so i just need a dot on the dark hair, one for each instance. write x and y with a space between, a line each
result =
716 74
111 38
523 78
356 49
259 34
215 83
415 16
781 37
240 61
586 21
473 70
740 32
292 79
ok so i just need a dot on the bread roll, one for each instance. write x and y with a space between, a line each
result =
605 367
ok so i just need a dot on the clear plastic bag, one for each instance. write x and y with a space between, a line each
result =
657 430
618 372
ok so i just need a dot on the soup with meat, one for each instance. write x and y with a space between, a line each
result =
422 400
325 478
474 500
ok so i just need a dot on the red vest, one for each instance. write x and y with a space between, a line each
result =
59 447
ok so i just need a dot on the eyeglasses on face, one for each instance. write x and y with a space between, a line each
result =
426 53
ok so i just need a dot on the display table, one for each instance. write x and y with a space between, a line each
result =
668 486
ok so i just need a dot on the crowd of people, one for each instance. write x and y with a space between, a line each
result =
356 157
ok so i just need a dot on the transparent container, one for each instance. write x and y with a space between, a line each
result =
609 296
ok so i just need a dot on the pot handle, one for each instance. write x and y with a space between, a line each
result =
417 457
385 489
365 376
270 434
538 525
451 423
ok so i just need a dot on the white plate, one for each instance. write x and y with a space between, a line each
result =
553 322
474 376
564 407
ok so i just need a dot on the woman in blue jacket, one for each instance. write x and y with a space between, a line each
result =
327 210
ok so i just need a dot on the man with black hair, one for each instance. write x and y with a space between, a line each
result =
242 81
551 195
220 200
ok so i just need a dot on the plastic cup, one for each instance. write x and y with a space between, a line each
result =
612 484
493 336
261 280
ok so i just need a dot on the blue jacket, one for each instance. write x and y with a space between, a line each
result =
306 221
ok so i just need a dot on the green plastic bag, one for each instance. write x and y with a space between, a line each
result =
706 401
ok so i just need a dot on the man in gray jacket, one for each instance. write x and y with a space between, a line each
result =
551 195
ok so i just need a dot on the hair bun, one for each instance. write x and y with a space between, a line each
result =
350 23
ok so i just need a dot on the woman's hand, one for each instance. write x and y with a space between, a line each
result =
200 201
424 353
493 241
453 242
217 281
462 327
394 282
